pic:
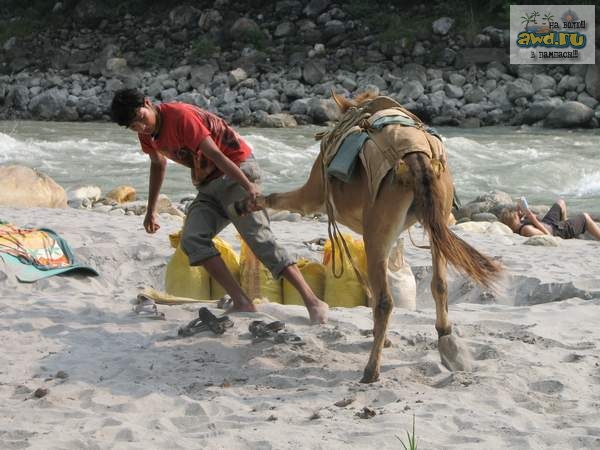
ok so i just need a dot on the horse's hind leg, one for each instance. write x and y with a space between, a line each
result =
380 232
382 307
453 354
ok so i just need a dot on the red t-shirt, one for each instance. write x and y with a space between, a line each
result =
182 128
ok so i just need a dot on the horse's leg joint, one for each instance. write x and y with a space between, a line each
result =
446 331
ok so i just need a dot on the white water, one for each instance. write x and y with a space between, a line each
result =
539 164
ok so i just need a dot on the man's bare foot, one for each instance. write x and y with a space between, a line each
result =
245 306
318 312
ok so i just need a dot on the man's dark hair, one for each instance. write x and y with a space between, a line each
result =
125 104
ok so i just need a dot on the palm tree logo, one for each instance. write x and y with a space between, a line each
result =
526 19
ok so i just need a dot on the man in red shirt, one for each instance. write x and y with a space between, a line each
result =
223 171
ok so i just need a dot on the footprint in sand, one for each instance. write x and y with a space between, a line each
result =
125 435
547 386
573 358
485 352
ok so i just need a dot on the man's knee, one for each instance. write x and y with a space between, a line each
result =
197 246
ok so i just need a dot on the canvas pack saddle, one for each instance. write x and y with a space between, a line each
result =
380 133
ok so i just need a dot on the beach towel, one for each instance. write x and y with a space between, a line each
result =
163 298
33 254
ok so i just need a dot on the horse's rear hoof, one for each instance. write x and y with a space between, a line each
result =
369 377
455 355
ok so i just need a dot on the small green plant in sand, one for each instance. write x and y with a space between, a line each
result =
412 440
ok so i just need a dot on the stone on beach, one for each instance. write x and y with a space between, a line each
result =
25 187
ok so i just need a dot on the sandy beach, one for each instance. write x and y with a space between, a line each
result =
116 380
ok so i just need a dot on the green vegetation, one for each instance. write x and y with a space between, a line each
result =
255 37
155 57
412 440
403 19
203 48
16 28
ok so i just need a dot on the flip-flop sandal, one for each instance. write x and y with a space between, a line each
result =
217 325
261 329
206 321
225 302
288 338
145 307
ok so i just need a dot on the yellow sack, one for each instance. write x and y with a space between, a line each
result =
347 290
182 280
255 278
232 261
314 274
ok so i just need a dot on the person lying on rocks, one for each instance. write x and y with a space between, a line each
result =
555 223
223 171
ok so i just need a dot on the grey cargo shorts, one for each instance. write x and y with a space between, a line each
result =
207 216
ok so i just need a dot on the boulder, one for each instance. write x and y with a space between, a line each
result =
122 194
25 187
592 78
569 115
281 120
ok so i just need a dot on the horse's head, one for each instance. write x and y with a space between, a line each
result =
344 103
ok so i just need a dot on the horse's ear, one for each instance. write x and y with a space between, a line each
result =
342 102
338 99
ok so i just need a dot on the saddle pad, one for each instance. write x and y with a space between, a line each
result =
344 161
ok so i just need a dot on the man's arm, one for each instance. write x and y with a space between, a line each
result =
211 151
530 230
536 227
158 168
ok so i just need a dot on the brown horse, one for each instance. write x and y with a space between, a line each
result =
422 192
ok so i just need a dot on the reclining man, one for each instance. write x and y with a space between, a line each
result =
555 223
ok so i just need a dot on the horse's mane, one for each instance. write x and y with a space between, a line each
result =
345 103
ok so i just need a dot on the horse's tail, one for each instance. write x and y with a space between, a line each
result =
432 213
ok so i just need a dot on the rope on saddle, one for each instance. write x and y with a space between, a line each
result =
329 141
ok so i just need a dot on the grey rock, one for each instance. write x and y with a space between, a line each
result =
184 16
442 26
475 94
587 100
313 71
453 91
569 115
538 111
322 111
281 120
568 83
293 89
315 7
236 76
168 95
592 78
456 79
193 98
411 90
519 88
201 76
49 104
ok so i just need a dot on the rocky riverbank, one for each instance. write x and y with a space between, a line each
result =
276 66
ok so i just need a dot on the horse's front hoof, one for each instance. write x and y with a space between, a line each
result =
455 355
